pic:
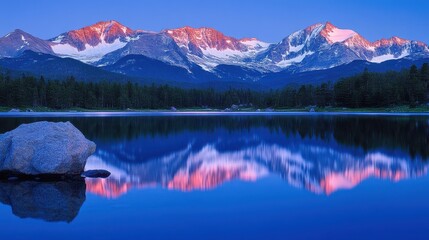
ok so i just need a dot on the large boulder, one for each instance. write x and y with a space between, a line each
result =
44 148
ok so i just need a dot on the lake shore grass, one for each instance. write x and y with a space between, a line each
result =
396 109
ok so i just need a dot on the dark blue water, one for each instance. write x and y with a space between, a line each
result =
233 177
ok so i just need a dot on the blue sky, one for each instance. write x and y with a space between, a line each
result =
268 20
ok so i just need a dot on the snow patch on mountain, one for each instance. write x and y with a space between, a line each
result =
208 47
382 58
340 35
24 43
58 39
236 55
254 44
222 54
316 29
91 53
296 48
287 62
389 56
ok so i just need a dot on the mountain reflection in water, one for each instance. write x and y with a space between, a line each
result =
321 154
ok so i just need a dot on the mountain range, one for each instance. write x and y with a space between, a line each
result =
111 51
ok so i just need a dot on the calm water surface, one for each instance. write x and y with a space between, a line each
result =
233 177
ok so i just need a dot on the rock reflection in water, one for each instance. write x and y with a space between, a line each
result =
57 201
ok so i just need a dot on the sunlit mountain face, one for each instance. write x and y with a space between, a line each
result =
319 154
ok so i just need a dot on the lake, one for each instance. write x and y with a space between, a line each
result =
232 176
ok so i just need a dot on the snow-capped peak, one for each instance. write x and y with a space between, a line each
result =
92 35
391 41
203 38
322 46
334 34
90 44
208 47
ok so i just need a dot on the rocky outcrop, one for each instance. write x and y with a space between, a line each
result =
96 173
44 148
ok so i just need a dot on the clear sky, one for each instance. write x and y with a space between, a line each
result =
268 20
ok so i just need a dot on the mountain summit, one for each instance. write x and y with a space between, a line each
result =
18 41
323 46
90 43
208 47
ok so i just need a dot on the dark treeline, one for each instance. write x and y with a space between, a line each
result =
384 89
409 87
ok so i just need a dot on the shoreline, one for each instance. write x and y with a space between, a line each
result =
201 113
403 110
393 109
